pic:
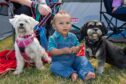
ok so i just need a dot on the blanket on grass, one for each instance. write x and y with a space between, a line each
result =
8 60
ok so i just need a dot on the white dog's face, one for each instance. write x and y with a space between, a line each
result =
23 24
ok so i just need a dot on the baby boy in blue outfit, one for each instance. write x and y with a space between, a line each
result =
63 46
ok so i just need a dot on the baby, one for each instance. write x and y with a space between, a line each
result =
63 46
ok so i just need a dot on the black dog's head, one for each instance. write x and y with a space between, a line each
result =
93 30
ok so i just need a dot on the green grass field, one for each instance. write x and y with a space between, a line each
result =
31 75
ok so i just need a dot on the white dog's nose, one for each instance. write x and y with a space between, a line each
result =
21 24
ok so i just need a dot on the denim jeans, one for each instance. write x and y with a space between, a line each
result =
120 10
80 65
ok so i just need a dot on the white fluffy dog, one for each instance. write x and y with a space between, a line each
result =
27 46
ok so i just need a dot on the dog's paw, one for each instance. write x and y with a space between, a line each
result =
16 72
41 68
99 71
49 60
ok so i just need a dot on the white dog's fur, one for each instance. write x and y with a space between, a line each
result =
34 49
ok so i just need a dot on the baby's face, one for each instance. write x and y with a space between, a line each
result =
63 24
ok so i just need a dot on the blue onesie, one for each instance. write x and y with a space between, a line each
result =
66 64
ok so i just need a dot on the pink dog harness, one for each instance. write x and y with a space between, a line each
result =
23 42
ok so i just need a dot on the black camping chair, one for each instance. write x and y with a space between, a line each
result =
112 19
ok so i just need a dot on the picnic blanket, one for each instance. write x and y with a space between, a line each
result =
7 61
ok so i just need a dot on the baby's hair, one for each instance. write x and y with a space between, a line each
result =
60 13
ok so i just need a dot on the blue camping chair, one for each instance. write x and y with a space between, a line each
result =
44 27
112 19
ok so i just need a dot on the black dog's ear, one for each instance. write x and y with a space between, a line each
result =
104 29
83 31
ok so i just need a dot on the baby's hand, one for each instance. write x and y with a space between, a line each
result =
67 50
74 49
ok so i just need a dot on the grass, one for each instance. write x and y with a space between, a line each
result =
31 75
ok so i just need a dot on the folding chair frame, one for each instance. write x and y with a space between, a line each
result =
112 22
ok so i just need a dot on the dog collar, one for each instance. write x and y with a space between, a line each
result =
26 36
94 45
24 41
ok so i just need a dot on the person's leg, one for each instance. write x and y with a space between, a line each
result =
84 68
120 10
49 28
23 10
61 70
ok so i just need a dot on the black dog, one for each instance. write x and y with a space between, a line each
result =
97 45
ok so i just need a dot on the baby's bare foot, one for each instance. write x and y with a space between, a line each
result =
90 75
74 76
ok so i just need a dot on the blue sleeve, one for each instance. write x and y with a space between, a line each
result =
51 43
76 41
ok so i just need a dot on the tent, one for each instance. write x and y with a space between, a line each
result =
5 27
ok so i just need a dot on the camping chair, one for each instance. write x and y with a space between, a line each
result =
112 20
43 25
